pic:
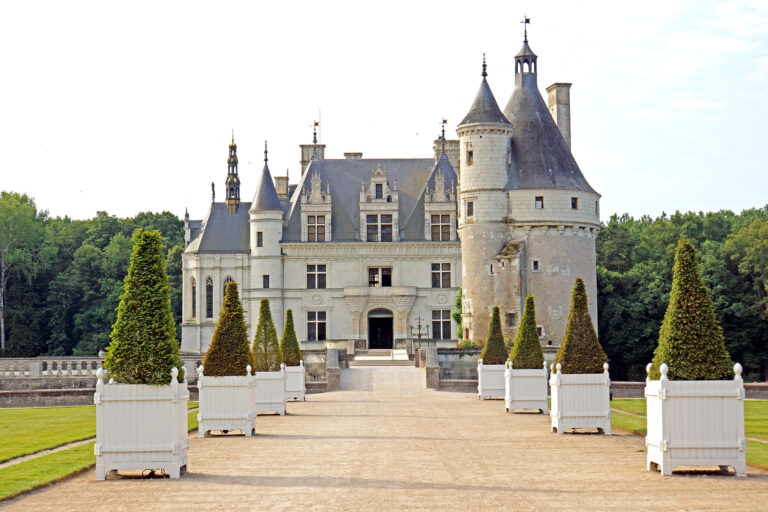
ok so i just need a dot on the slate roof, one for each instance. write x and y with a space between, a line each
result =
484 109
345 175
266 195
414 224
221 231
540 156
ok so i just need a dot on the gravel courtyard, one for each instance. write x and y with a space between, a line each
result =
384 442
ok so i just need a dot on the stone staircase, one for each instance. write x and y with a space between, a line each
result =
380 357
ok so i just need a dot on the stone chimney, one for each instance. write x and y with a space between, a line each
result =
559 99
353 156
451 150
281 186
306 154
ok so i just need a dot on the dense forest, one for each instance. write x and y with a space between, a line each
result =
61 279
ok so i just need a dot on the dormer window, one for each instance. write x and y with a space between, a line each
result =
379 191
316 228
378 228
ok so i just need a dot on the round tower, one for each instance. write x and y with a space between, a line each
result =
266 233
553 210
484 139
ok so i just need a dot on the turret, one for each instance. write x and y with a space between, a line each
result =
232 185
484 138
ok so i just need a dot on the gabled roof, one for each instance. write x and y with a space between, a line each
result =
266 195
414 224
221 231
484 108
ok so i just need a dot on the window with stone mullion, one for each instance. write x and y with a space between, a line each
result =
316 228
441 324
316 276
441 275
378 228
441 227
316 325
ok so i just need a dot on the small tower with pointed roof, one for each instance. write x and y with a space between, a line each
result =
484 136
232 185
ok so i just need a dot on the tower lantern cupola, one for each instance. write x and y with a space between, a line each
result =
232 185
525 62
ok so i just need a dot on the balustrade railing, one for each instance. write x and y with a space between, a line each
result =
68 367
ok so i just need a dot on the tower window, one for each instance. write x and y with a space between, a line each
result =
535 265
265 281
316 228
539 202
540 331
511 319
470 157
441 227
316 276
470 208
209 297
193 286
574 203
259 239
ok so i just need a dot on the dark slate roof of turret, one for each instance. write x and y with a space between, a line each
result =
414 225
484 109
525 51
266 195
540 156
221 231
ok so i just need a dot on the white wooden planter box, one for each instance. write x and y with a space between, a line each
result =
490 380
525 389
695 423
295 382
580 401
269 391
140 426
226 403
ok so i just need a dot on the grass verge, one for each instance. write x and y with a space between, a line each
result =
30 430
629 423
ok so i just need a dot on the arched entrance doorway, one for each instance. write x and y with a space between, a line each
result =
380 330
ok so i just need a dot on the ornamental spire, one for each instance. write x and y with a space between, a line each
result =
232 184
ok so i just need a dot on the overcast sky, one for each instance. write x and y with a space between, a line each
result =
129 107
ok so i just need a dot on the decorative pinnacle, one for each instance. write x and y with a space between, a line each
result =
233 135
213 192
485 66
314 133
265 152
442 135
526 21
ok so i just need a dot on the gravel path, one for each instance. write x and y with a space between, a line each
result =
386 443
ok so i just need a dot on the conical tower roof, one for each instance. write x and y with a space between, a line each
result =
484 109
266 195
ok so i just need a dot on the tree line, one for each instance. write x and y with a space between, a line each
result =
61 279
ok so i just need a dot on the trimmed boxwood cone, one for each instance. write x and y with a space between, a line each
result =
580 351
289 344
229 352
266 350
690 340
526 353
144 348
494 351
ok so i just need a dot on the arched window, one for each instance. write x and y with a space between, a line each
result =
226 282
209 297
526 67
193 290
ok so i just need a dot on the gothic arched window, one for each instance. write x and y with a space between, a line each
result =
226 282
193 290
209 297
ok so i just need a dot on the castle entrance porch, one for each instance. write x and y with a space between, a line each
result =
380 329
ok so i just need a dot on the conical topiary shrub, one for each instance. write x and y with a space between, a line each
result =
691 342
580 351
494 351
289 344
144 348
229 353
526 353
266 350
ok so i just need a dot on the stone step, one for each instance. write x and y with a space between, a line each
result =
378 362
375 352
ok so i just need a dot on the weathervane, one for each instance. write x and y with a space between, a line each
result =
442 137
526 21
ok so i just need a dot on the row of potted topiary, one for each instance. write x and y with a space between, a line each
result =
142 395
695 401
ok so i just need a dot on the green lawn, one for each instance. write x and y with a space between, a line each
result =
29 430
44 470
755 424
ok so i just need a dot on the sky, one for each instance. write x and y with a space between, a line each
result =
129 106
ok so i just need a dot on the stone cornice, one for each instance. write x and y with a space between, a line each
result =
345 250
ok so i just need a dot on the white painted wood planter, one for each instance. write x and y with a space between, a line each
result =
295 382
269 391
226 403
141 427
490 380
580 401
525 389
695 423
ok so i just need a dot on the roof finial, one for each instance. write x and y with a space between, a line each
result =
315 156
213 192
442 135
526 21
265 152
485 73
233 135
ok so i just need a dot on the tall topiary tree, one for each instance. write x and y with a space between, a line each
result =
289 344
494 351
580 351
526 353
266 350
144 348
229 352
691 342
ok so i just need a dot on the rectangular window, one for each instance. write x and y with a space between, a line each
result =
316 228
441 275
316 326
470 157
535 265
265 281
540 330
441 227
194 301
574 203
315 276
539 201
379 277
470 208
378 228
511 319
379 191
441 324
259 239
